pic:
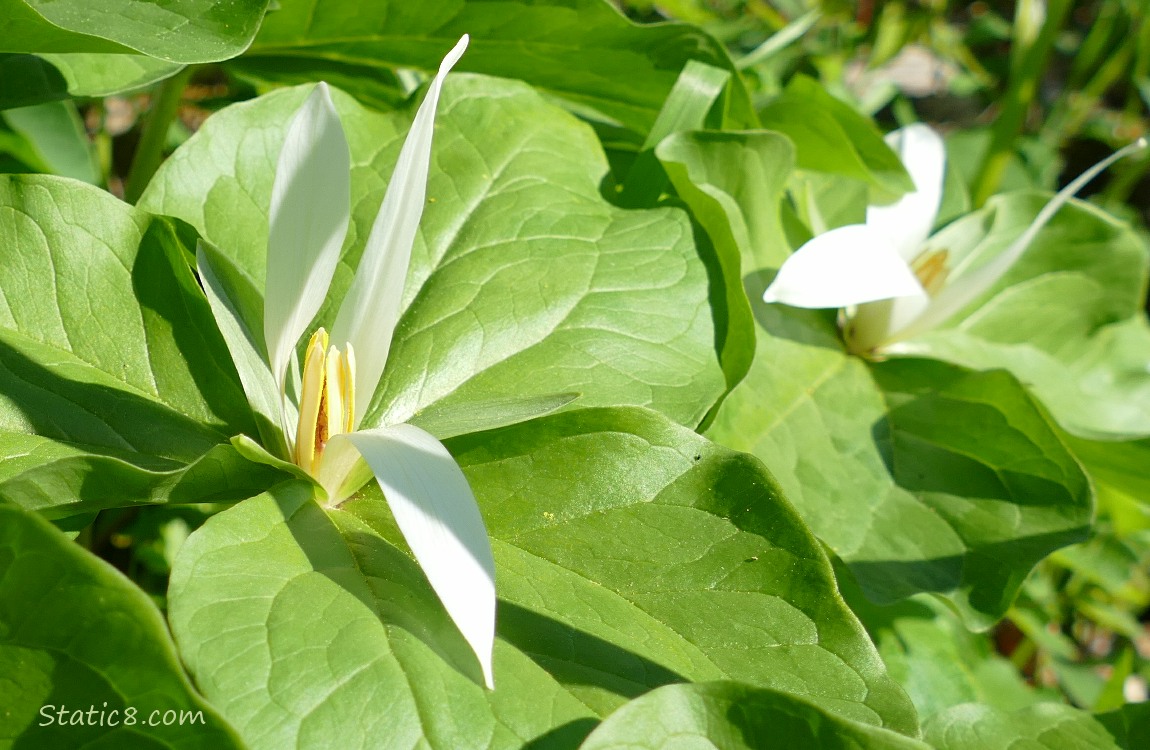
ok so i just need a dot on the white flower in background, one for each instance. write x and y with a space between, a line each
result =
318 409
892 285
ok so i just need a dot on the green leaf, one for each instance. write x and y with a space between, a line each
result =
830 136
1121 465
582 51
732 716
523 283
60 479
733 183
930 652
1067 319
686 108
33 79
1051 726
55 131
922 476
1129 725
79 638
182 31
630 553
116 387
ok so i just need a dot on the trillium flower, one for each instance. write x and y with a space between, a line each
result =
892 284
313 411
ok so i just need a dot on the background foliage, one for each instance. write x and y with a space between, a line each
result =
711 522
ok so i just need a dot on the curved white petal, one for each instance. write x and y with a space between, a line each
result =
845 266
907 222
370 311
310 208
963 289
437 513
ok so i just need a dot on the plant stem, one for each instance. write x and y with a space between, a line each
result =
150 151
1024 80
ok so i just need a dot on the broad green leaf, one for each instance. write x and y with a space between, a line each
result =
33 79
582 51
181 31
57 135
1066 319
115 383
82 647
733 716
1045 726
830 136
630 553
523 282
733 183
922 476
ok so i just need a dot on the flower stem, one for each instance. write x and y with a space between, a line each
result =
150 151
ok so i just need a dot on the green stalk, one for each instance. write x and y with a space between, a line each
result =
1025 77
150 151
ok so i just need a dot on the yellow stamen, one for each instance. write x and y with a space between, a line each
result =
931 270
327 399
347 387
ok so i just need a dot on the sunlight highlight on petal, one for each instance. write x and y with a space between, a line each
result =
437 513
310 209
370 311
845 266
907 222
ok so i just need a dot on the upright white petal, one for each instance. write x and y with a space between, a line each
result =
842 267
437 513
256 378
370 311
310 209
907 222
963 289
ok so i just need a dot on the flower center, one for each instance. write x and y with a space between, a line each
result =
930 268
327 399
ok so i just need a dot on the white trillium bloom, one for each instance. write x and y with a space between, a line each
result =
318 407
891 285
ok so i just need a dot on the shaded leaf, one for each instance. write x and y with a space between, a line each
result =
67 620
732 716
922 476
116 387
583 51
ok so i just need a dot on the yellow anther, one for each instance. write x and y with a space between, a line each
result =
931 270
327 399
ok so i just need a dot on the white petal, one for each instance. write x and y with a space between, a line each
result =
845 266
310 208
259 385
965 288
370 311
437 513
907 222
